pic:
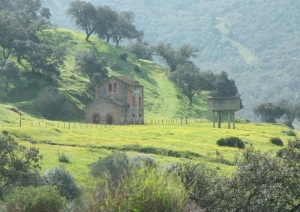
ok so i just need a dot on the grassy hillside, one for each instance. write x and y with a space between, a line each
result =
162 99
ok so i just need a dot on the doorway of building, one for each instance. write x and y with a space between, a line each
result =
109 119
96 118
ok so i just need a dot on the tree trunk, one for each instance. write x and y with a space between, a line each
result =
117 43
191 100
6 84
87 37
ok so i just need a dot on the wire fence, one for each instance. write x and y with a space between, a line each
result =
78 125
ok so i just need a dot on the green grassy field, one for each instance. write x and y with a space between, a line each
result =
84 144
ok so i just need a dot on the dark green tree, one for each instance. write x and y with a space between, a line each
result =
21 20
17 164
41 56
87 63
291 112
124 28
11 72
91 19
190 80
268 112
84 14
141 49
224 87
175 58
106 29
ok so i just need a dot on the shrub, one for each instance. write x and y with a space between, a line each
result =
53 105
280 152
231 142
112 168
277 141
63 158
30 199
291 133
144 190
137 69
123 56
64 181
198 179
141 160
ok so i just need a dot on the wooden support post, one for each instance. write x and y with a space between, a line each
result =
228 120
214 120
219 119
233 121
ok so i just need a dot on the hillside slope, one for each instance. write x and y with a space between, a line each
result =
257 42
162 99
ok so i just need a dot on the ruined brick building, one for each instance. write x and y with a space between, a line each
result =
118 100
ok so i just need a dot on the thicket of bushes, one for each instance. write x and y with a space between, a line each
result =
277 141
138 183
231 142
34 199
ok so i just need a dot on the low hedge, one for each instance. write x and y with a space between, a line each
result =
231 142
277 141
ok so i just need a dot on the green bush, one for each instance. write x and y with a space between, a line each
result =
277 141
141 160
63 158
111 168
144 190
137 69
64 181
198 179
291 133
231 142
34 199
280 152
52 105
123 56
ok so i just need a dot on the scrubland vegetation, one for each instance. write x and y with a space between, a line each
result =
52 161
